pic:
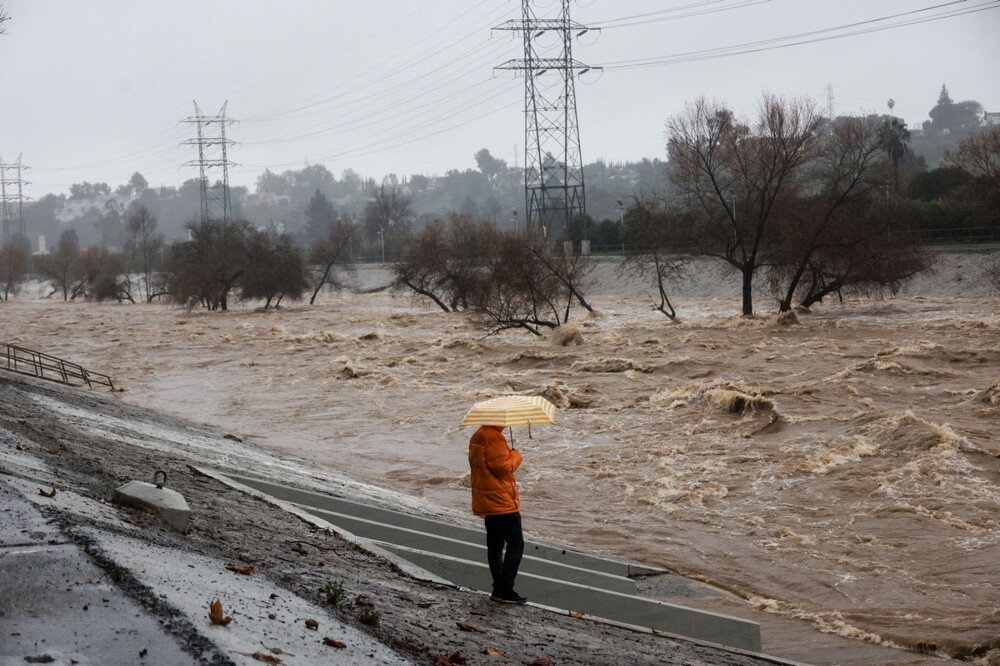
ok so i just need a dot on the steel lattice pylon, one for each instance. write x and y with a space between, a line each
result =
554 190
11 191
212 195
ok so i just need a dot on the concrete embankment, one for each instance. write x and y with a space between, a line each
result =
85 573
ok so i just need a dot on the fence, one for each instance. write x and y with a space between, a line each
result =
44 366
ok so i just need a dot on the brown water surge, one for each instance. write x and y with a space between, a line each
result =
844 471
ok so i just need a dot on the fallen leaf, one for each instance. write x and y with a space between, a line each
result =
575 615
217 615
246 571
458 659
266 658
271 616
51 493
88 581
361 601
142 653
442 661
312 624
40 659
400 643
299 548
334 643
466 627
275 650
490 652
542 661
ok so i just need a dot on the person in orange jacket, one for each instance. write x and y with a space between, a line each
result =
495 498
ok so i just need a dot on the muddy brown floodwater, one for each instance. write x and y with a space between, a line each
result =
842 471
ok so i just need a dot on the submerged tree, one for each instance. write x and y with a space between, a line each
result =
873 254
446 261
275 269
841 186
331 255
737 173
145 247
61 267
659 256
207 268
523 287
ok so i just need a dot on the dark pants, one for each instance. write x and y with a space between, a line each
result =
503 531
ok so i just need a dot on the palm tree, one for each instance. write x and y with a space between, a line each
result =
895 136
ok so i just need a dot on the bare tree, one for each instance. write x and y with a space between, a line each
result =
207 268
874 254
389 213
519 290
13 268
424 266
840 183
275 269
737 173
4 17
331 254
659 255
100 277
146 244
447 261
573 270
61 267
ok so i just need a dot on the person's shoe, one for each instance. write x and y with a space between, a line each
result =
511 597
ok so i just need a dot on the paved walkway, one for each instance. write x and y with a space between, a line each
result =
59 604
55 602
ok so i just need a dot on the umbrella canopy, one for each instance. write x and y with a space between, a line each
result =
511 410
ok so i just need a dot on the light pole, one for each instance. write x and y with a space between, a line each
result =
731 193
732 203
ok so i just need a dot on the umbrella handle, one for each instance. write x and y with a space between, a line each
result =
510 429
529 430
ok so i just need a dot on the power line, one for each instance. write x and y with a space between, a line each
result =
675 13
809 37
365 76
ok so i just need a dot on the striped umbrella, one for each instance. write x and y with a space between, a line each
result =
511 410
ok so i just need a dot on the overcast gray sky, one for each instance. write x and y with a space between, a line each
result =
94 90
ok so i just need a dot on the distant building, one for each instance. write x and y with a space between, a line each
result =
991 118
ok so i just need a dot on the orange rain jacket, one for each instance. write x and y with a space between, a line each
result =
494 491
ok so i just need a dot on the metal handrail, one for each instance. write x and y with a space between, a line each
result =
46 366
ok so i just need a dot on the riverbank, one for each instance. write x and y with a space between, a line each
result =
83 444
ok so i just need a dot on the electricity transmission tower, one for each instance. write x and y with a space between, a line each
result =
553 166
213 149
11 191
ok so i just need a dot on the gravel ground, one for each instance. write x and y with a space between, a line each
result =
420 621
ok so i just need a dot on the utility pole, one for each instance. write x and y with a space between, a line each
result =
12 190
212 153
553 165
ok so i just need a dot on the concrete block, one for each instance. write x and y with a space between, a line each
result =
169 504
